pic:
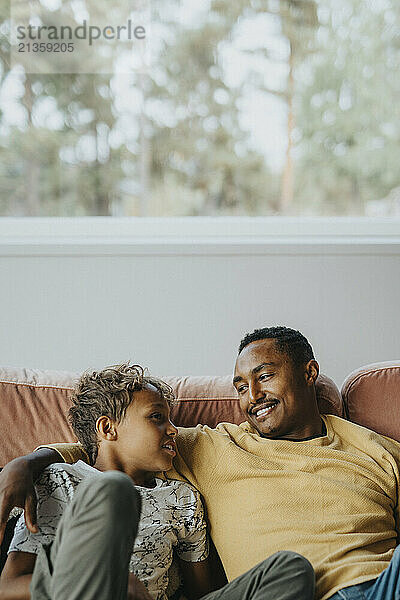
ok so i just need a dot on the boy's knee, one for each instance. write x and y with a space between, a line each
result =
115 484
114 493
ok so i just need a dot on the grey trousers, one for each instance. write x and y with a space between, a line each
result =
89 558
282 576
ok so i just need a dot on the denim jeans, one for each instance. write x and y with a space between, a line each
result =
385 587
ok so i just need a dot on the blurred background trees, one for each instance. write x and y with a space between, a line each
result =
256 107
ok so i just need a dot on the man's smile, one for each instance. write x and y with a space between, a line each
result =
263 410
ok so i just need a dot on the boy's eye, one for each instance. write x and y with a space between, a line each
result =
157 416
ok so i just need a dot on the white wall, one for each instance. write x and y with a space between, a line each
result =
182 307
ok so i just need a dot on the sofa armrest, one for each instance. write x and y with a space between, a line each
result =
371 397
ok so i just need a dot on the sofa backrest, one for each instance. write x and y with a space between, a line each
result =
213 400
34 405
371 397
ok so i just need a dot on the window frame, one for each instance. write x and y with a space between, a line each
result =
198 235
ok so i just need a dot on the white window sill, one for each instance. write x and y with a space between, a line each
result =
198 235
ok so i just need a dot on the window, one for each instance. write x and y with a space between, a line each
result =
252 107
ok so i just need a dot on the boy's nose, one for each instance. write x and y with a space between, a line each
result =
171 429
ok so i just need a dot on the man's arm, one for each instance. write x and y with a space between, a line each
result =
18 477
16 576
17 485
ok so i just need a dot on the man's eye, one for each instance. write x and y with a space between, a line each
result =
265 376
241 389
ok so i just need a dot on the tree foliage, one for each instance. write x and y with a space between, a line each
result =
174 140
349 119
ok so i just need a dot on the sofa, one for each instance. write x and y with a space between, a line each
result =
34 405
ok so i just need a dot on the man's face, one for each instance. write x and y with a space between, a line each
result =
276 397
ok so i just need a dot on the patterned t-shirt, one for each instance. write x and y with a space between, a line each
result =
172 519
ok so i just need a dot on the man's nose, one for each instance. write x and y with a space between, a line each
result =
255 391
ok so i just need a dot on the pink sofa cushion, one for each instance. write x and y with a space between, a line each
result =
371 396
34 408
35 405
213 400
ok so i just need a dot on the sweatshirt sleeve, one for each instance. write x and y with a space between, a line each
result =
392 458
69 453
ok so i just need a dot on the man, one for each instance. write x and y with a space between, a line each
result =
290 479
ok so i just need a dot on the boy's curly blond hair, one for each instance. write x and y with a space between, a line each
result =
107 393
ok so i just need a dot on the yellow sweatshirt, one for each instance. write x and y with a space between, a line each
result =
333 499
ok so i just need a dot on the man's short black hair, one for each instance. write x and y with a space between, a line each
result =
290 341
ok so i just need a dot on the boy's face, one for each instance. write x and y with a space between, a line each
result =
146 436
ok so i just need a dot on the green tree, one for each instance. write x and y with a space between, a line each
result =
172 142
348 108
298 24
199 151
59 159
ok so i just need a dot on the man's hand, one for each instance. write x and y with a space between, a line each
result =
136 589
17 489
17 485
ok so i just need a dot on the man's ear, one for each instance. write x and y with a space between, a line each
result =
105 427
311 372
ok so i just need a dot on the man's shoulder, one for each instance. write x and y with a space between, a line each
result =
200 449
369 439
218 433
344 426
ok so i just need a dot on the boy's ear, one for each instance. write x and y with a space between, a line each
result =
106 429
